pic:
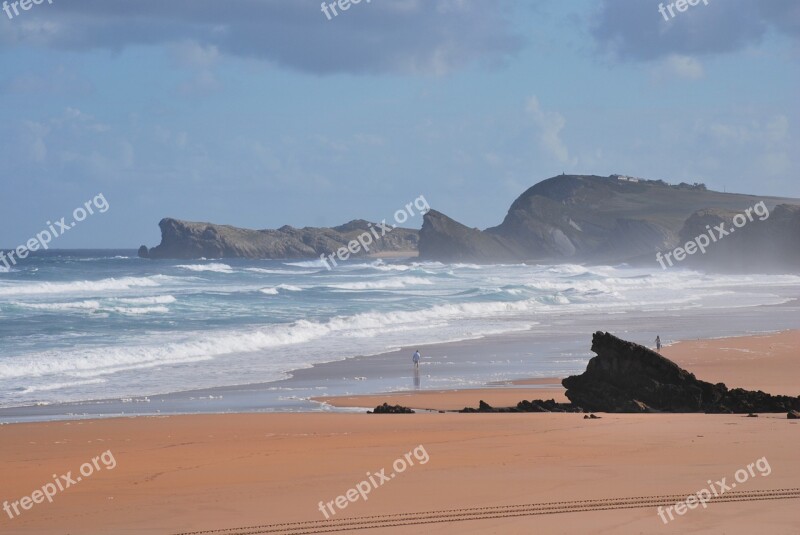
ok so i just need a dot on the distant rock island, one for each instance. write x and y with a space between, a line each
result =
567 218
186 240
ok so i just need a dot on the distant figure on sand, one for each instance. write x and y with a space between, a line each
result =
415 358
658 343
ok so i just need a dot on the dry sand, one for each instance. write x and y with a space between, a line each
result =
768 362
191 473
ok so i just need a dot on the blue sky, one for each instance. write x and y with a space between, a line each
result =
260 113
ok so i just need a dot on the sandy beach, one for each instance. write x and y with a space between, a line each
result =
202 472
400 267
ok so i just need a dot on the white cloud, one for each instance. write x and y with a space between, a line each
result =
192 54
201 60
550 125
677 66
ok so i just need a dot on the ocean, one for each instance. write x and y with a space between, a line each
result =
88 325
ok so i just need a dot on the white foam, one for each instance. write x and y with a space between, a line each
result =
214 267
137 311
276 271
289 288
75 305
274 291
109 305
307 264
195 347
153 300
99 286
388 284
58 386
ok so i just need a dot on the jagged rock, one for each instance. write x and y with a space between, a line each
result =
391 409
537 405
627 377
534 405
482 407
143 252
793 415
186 240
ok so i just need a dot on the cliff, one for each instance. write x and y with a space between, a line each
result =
586 218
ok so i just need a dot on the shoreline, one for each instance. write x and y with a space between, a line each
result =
369 375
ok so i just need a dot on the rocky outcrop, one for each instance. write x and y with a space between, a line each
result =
185 240
627 377
761 241
535 405
582 218
391 409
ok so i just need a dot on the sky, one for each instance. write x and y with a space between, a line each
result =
261 113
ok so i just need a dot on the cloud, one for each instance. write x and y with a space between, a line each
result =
676 66
200 61
550 125
634 30
397 36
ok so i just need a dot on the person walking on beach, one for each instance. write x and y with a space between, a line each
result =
658 343
415 358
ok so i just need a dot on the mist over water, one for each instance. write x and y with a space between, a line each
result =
93 325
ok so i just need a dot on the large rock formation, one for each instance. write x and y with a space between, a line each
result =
627 377
185 239
580 218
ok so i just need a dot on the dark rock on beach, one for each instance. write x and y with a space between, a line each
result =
482 407
793 415
550 405
535 405
627 377
391 409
